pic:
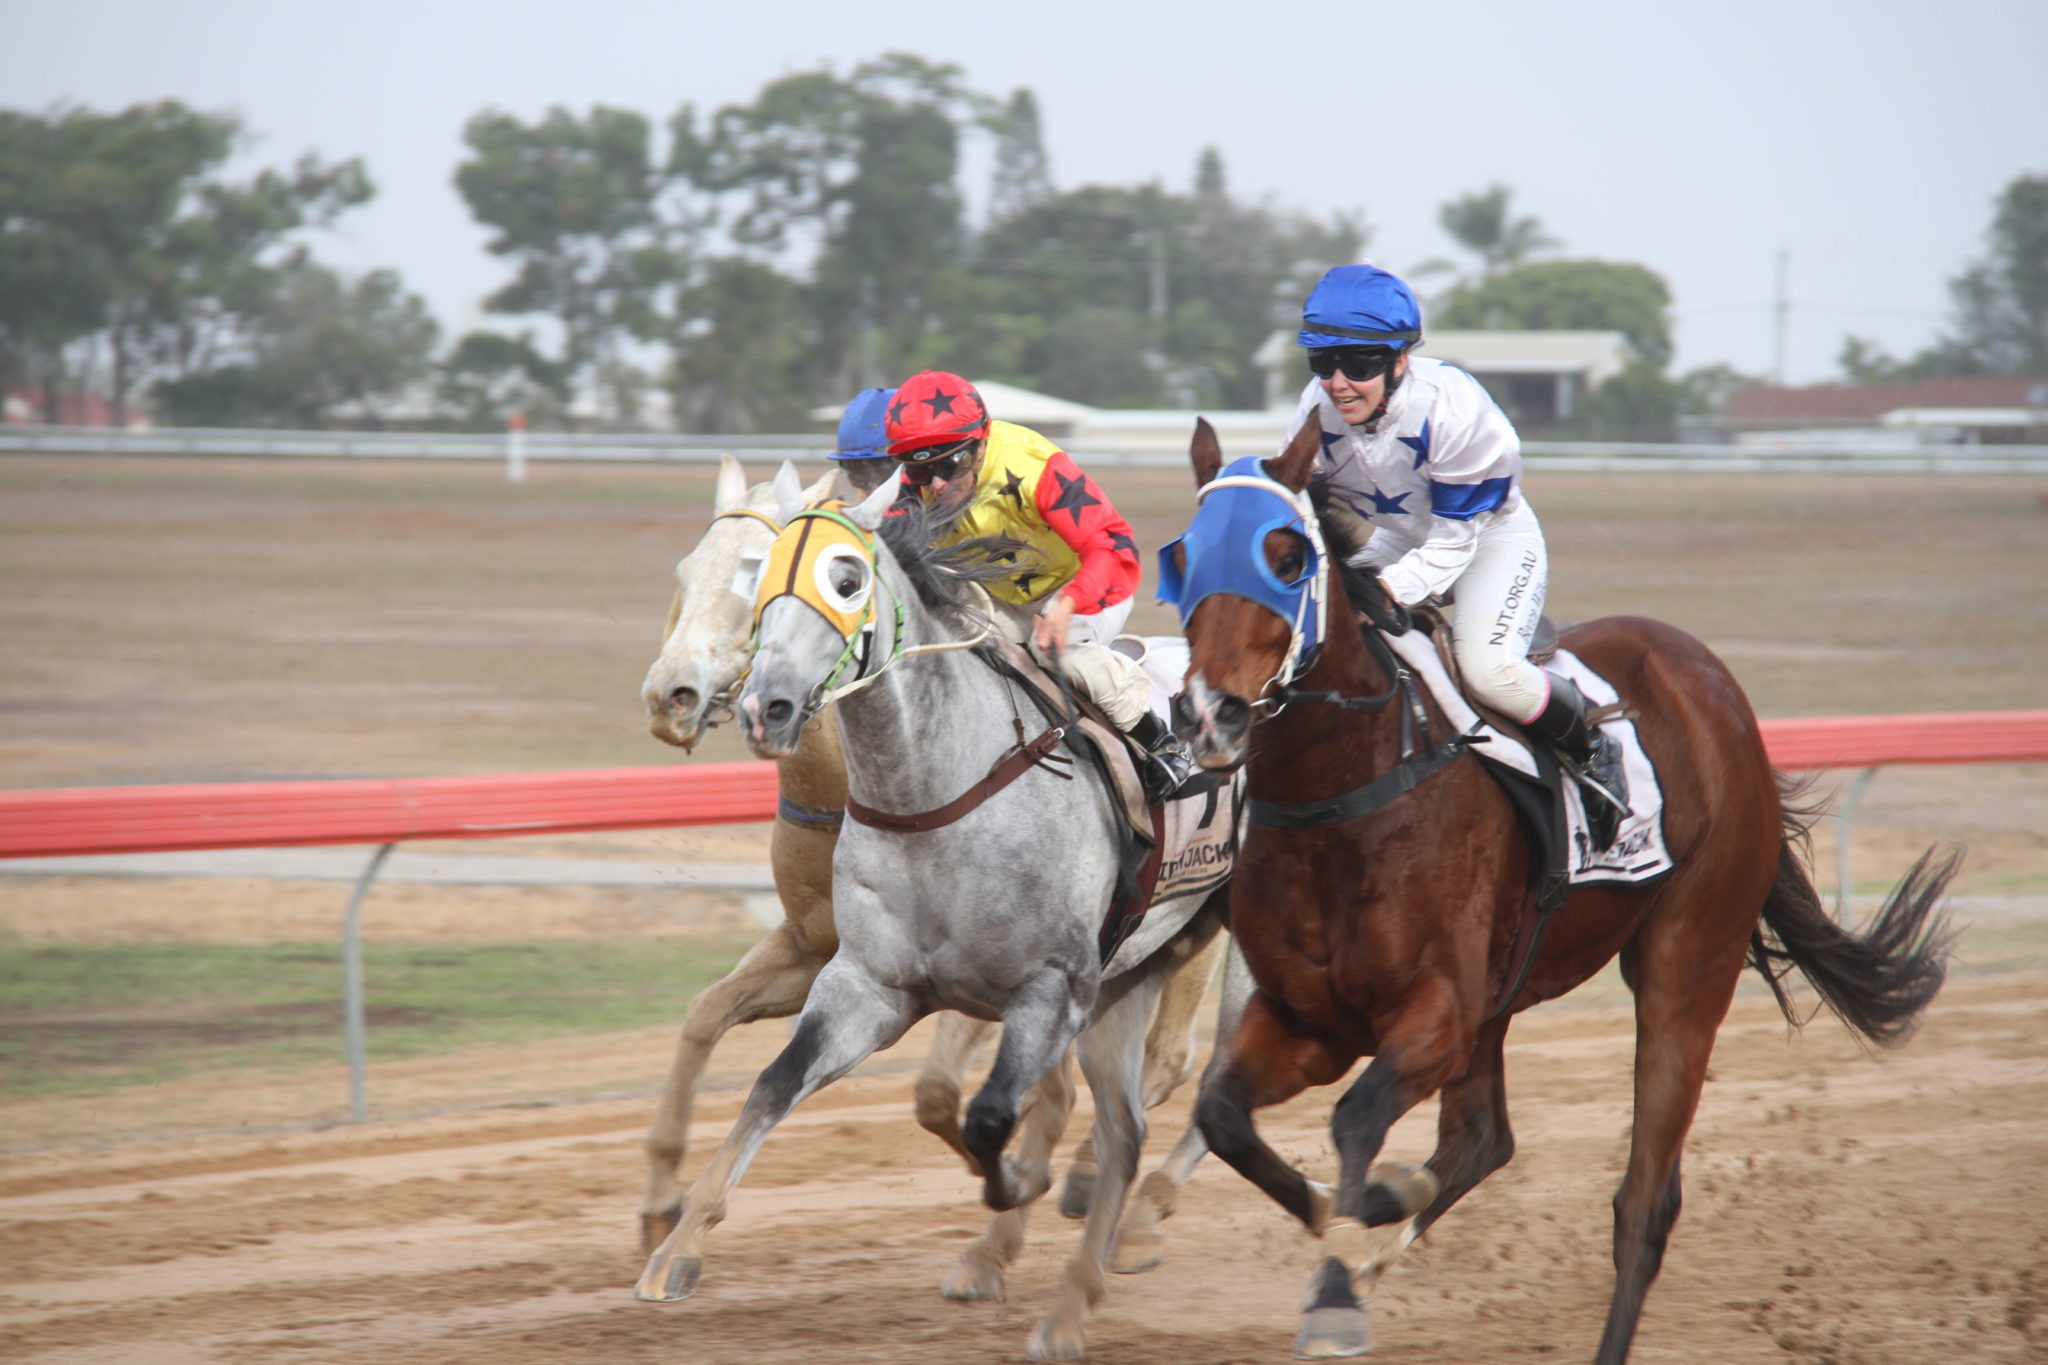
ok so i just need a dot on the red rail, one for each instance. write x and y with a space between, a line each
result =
86 820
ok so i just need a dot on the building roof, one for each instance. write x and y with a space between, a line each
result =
1598 356
1867 404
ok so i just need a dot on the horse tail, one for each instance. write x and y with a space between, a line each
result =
1878 981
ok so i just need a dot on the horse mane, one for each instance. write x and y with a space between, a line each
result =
944 576
1344 535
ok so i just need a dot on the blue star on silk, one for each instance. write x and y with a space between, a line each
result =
1329 438
1384 506
1418 444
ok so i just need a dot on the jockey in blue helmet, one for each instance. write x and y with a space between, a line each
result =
863 452
1418 449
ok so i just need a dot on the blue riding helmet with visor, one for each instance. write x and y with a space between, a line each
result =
1360 305
1224 551
861 426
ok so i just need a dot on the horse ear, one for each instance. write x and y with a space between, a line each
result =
876 505
1205 452
1293 465
789 492
822 489
732 486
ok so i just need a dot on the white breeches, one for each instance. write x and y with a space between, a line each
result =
1499 599
1117 684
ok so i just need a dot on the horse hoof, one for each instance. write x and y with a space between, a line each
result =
669 1279
974 1281
655 1228
1051 1340
1413 1188
1331 1332
1137 1251
1077 1192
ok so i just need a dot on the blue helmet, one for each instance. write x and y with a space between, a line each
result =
862 433
1361 305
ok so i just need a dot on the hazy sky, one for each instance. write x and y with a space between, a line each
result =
1865 139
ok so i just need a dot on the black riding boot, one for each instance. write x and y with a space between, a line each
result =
1168 762
1591 756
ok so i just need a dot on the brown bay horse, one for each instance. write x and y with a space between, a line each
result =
1393 929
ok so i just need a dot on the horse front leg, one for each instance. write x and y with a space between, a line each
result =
1169 1061
1043 1017
981 1272
1416 1058
1112 1058
770 982
848 1017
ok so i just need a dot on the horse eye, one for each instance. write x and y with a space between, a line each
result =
846 580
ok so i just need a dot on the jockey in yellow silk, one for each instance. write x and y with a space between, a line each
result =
1079 565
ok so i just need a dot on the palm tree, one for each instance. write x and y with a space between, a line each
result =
1483 224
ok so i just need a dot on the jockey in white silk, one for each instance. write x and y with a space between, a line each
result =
1419 450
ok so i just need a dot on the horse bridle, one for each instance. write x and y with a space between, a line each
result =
723 704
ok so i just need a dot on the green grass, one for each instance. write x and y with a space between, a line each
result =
87 1017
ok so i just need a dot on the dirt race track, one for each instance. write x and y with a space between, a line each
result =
1839 1208
192 621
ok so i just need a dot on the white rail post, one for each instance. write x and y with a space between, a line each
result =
352 985
515 448
1847 817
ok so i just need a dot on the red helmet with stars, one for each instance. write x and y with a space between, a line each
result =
934 409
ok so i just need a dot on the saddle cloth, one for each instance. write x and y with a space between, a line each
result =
1639 852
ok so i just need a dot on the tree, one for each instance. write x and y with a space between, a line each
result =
1569 295
1484 225
575 203
321 347
2001 303
118 239
490 377
1023 172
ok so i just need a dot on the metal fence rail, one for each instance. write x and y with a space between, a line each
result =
692 447
104 820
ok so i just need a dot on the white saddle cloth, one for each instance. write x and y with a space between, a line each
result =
1638 852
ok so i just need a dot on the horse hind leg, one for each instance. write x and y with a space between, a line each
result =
848 1017
981 1272
1682 993
770 982
1140 1245
954 1043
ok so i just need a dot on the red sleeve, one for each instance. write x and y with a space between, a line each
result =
1078 513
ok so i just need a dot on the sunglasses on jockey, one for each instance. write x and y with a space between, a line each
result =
1359 363
920 467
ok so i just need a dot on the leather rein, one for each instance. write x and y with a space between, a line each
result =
1418 762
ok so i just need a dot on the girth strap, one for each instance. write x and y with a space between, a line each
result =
1381 791
1007 769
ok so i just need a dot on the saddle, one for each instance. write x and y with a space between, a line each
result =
1140 830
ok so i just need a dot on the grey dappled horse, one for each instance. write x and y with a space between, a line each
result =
690 687
994 915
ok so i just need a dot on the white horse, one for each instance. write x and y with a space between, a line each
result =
992 908
689 688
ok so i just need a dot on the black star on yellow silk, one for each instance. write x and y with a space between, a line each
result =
1013 488
1025 580
1073 497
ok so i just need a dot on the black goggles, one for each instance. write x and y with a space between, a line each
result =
945 462
1359 364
